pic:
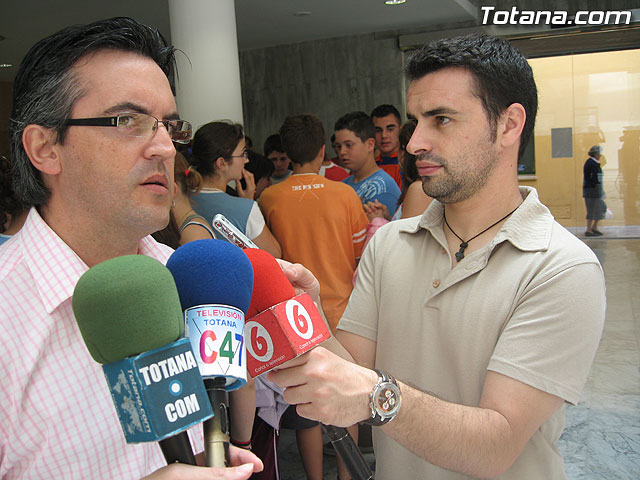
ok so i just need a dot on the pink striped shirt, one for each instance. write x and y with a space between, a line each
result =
57 419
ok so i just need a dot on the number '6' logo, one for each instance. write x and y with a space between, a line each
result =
260 344
299 319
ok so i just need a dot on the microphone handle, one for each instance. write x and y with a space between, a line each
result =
349 452
216 429
177 449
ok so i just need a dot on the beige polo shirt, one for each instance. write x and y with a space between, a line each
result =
529 305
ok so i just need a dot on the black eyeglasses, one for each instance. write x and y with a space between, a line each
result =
138 125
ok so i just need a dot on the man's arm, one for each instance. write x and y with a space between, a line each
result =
362 350
481 441
486 439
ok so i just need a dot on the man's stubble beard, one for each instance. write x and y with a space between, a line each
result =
455 186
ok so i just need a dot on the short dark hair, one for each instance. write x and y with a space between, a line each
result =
259 165
45 88
212 141
359 123
384 110
302 137
501 73
272 144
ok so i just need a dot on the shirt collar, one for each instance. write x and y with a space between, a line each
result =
528 228
55 267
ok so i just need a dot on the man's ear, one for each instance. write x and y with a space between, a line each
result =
39 144
511 124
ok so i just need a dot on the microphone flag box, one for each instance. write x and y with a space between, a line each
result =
158 393
283 332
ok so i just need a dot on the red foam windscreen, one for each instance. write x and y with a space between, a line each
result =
270 284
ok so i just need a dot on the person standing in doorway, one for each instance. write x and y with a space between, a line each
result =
593 192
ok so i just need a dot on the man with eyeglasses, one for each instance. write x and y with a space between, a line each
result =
92 131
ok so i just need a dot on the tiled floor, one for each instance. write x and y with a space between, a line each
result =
601 440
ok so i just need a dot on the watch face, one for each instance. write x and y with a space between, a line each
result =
387 400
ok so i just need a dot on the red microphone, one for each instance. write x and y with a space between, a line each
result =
280 324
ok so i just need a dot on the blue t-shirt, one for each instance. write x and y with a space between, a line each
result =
244 213
4 238
377 186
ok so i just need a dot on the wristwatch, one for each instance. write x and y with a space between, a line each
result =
384 400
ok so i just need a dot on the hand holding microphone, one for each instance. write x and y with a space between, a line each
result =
301 279
244 465
282 326
275 314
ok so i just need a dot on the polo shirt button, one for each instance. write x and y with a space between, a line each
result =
436 283
443 250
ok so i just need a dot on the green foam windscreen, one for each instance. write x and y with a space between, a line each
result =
125 306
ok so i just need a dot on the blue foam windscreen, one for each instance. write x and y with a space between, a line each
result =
212 272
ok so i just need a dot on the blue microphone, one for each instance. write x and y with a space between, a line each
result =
215 283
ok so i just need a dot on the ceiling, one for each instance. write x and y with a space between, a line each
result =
263 23
260 23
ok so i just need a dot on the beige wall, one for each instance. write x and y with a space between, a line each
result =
598 96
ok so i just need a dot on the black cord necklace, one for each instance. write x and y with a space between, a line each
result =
465 243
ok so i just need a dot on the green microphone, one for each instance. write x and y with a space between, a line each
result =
117 301
129 314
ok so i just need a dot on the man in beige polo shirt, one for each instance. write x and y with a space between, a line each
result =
486 311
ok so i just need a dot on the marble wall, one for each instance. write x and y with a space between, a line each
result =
326 77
